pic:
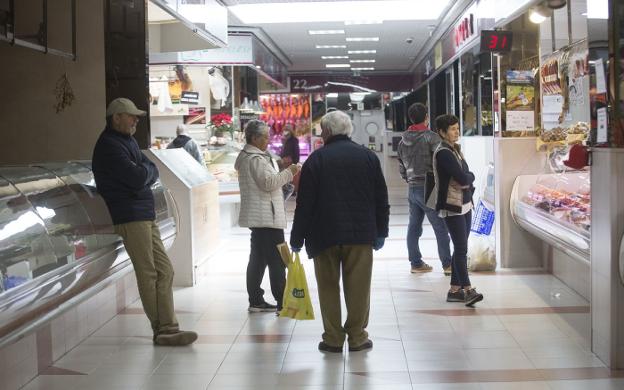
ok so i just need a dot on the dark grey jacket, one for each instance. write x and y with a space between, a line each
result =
342 198
415 152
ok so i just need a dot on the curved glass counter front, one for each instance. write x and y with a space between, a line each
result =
56 237
555 208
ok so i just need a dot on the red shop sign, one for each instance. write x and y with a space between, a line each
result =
464 30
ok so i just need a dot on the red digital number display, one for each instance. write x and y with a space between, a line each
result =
496 40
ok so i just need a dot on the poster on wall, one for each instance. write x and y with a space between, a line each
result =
196 116
520 101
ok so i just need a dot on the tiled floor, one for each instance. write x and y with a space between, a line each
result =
530 332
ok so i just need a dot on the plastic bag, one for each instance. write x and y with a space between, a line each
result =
296 303
481 253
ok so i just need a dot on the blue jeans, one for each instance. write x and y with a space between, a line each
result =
418 210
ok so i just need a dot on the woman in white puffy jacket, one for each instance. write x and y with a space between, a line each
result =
262 211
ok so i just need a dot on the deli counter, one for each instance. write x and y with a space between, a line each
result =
557 209
57 240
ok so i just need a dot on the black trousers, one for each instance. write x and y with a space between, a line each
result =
264 253
459 230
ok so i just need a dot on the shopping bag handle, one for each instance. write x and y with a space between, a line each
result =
285 253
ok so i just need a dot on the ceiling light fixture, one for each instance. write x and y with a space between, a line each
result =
331 46
362 68
334 57
362 61
598 9
358 22
538 14
363 39
325 32
338 11
362 51
337 65
555 4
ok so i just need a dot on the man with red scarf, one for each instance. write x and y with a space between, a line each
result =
415 161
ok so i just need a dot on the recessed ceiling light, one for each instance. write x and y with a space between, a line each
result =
338 11
363 61
598 9
362 68
362 51
363 39
337 65
356 22
334 57
331 46
325 32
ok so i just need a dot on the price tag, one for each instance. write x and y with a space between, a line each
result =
601 136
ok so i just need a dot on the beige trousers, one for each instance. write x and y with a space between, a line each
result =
153 270
356 264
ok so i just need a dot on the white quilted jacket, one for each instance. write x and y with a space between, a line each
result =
262 201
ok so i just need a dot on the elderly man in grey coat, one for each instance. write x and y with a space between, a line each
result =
183 140
262 210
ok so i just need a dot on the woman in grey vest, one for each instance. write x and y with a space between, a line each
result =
452 197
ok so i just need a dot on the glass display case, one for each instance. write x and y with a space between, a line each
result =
220 163
555 208
56 237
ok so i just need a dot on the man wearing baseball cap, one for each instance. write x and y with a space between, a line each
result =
123 176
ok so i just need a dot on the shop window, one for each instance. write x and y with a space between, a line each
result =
46 26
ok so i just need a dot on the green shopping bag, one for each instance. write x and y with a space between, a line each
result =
296 303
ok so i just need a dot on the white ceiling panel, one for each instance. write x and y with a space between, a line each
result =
394 54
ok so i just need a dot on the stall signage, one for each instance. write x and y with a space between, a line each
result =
496 40
189 97
464 30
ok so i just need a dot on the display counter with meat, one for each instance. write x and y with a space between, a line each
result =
555 208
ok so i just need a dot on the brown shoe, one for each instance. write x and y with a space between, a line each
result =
178 338
368 344
422 269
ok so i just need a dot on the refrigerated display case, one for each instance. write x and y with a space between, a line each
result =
196 196
56 238
556 208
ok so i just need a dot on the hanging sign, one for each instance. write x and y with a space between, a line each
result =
496 40
189 97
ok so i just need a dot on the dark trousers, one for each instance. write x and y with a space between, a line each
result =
459 229
264 253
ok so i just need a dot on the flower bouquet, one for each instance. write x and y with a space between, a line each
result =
220 124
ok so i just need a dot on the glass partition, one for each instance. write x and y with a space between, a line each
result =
25 249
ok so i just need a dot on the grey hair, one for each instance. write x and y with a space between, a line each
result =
337 123
181 129
255 128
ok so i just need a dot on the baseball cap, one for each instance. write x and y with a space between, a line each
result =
123 106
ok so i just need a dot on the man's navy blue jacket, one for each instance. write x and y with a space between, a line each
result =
342 198
123 176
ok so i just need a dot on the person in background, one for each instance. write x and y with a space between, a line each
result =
290 149
262 211
341 215
123 176
415 153
453 201
290 155
183 140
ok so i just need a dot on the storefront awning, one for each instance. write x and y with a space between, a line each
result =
177 27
